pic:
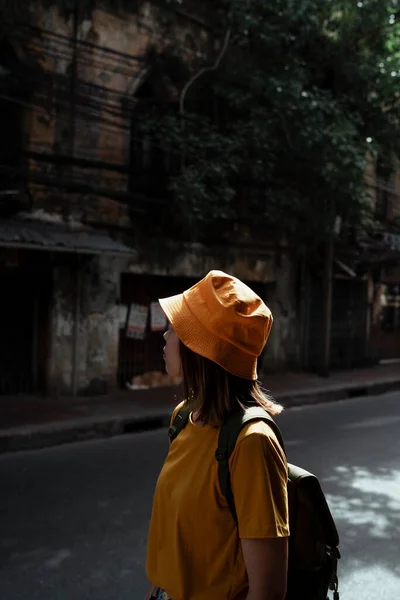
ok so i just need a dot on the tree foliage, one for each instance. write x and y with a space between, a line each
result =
277 136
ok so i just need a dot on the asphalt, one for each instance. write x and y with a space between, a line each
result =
32 423
74 518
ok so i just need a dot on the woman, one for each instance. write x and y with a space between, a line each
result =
196 551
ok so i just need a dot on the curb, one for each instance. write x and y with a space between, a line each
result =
58 433
55 434
352 390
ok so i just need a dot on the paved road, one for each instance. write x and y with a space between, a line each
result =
74 519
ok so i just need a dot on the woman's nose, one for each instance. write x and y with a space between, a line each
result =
165 336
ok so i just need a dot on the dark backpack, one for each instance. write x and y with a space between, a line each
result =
314 540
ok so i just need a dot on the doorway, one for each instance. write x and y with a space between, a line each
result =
24 331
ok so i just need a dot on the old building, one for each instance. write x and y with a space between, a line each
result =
60 260
364 321
86 241
384 252
79 268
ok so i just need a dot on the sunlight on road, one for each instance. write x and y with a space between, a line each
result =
369 498
365 503
360 584
388 484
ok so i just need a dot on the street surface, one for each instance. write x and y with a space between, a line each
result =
74 519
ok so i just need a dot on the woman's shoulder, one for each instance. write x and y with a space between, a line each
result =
258 427
258 433
257 447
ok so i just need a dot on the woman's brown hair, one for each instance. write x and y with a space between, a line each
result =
212 393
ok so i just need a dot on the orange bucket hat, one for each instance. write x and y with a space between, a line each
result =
223 320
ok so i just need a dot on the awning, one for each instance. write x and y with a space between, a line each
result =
54 238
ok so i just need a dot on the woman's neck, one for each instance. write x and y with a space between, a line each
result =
196 418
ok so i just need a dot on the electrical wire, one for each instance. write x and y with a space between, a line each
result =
75 185
106 117
103 50
86 63
104 125
113 110
88 108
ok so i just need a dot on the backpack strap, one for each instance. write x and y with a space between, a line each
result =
226 444
180 421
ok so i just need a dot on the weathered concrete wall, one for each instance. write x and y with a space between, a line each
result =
91 119
197 260
61 332
95 126
279 276
100 324
97 345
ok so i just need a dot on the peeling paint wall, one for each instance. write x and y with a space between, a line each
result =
97 345
99 126
62 326
197 260
89 116
108 59
100 324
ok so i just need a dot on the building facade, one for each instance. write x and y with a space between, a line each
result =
76 260
384 250
85 250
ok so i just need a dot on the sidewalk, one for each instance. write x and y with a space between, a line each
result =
32 422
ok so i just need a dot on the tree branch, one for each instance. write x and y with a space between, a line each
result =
197 75
286 131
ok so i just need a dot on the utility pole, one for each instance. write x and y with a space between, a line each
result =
327 288
324 370
73 76
78 267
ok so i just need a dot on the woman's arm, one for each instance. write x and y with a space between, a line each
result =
266 563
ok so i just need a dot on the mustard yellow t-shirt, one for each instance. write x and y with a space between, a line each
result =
194 550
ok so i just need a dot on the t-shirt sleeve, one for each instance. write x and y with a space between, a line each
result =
259 483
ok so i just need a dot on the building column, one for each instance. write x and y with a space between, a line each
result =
100 324
84 353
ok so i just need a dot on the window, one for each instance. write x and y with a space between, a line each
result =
152 162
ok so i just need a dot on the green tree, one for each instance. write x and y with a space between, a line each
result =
274 127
